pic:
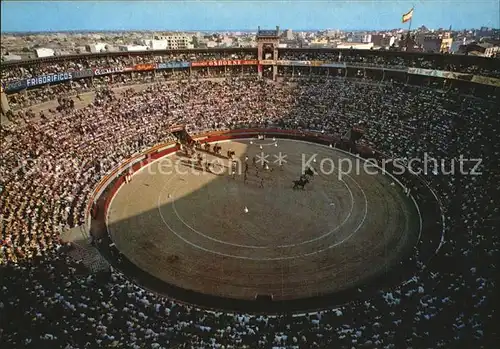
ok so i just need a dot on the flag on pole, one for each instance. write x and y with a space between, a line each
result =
407 16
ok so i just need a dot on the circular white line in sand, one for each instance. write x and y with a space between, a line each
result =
279 246
268 258
278 258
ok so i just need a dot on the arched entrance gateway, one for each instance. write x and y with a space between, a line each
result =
248 241
267 52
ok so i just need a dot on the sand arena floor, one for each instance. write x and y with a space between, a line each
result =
191 229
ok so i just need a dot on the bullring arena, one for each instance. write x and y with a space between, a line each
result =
111 236
218 234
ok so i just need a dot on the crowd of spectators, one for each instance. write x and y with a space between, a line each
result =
50 165
355 57
122 61
368 59
46 93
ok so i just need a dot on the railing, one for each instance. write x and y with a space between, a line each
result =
117 171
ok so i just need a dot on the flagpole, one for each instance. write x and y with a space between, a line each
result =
411 18
408 36
409 28
409 25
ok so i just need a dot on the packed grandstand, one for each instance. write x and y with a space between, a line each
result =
73 119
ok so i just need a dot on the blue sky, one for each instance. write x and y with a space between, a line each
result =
241 14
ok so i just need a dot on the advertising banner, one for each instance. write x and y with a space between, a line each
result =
486 80
438 73
267 62
199 64
216 63
457 76
441 74
144 67
301 63
417 71
15 86
334 65
172 65
284 62
80 74
249 62
426 72
465 77
234 62
207 64
176 128
221 63
398 69
47 79
316 63
105 71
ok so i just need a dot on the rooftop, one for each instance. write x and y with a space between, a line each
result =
268 33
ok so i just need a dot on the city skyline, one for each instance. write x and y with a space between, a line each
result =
240 15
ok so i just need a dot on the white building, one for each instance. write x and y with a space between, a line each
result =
211 44
11 57
44 52
360 37
355 46
387 41
332 33
489 49
132 48
226 41
156 44
111 48
96 48
170 42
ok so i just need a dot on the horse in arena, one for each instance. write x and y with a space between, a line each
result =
309 172
301 183
217 148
